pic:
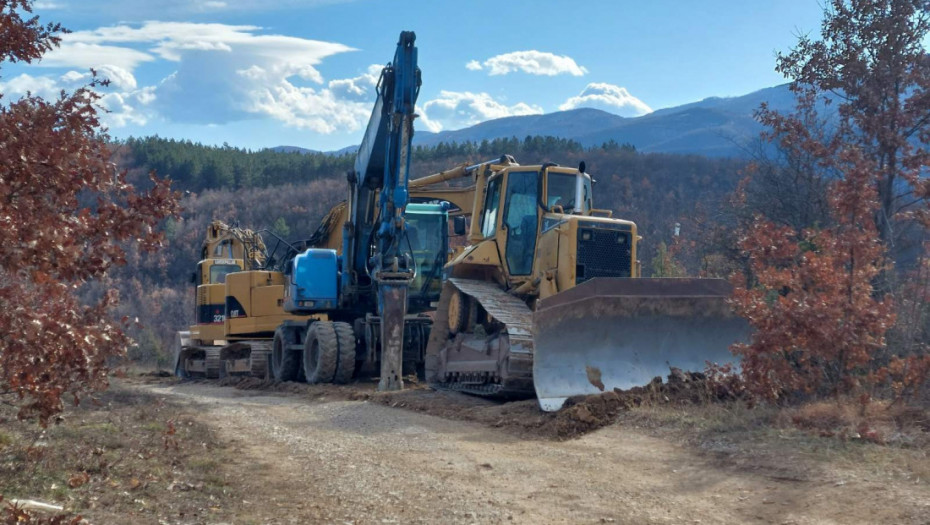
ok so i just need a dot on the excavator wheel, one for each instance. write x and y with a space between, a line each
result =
284 363
345 336
459 305
329 353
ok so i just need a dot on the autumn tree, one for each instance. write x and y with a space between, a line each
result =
67 216
871 65
820 293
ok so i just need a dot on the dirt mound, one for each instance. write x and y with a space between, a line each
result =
583 414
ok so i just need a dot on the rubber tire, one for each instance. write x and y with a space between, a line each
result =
459 306
329 353
285 364
348 351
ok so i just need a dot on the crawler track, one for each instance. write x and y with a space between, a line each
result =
504 369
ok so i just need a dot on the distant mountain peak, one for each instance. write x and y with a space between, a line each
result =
715 126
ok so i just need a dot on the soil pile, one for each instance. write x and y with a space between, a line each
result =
583 414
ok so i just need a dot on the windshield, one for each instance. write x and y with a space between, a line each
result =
563 191
425 233
218 272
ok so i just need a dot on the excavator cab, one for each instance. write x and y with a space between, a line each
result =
427 238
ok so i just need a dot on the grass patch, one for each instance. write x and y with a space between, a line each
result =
109 460
819 435
5 440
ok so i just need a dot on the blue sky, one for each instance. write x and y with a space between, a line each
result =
299 72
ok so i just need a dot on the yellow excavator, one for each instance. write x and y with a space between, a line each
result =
238 307
548 300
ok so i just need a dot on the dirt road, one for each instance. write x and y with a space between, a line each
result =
303 460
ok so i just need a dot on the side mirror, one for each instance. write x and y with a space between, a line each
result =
458 225
194 278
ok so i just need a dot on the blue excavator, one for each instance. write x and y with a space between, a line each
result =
363 285
349 300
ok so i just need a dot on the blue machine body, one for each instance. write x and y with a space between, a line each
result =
314 281
374 236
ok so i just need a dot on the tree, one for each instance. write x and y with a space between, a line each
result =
67 216
871 63
818 324
664 263
281 228
820 281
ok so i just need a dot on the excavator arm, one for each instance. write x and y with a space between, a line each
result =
378 196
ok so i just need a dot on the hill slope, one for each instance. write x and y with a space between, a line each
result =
717 127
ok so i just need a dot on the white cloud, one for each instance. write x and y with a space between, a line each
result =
357 88
301 107
72 77
224 73
172 39
48 5
454 110
119 78
221 73
608 97
149 9
120 107
88 55
126 108
532 62
19 86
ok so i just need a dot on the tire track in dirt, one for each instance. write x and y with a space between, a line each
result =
343 461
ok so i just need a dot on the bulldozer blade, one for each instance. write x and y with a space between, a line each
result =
620 333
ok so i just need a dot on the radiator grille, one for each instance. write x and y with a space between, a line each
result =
602 252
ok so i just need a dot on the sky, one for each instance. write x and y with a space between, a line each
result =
258 74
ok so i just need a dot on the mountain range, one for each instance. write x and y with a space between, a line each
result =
713 127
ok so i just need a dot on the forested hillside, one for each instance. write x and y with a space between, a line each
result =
290 192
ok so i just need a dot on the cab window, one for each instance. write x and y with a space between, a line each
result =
218 272
521 220
561 190
491 204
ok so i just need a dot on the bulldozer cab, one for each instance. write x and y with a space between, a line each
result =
547 234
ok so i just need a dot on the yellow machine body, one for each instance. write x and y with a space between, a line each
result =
548 299
238 308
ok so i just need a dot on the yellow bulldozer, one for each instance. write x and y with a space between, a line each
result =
548 298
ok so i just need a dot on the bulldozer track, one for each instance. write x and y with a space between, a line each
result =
502 306
259 358
212 362
517 318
